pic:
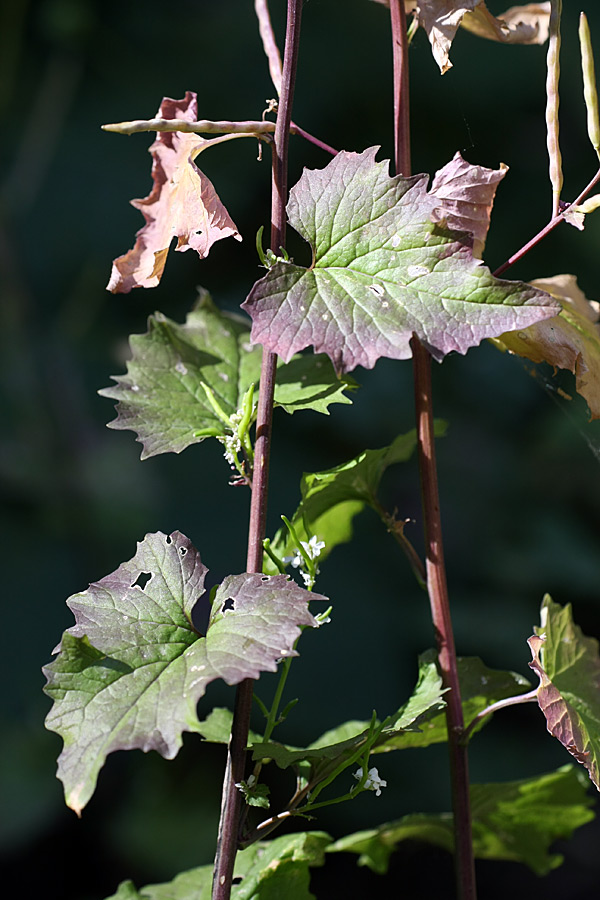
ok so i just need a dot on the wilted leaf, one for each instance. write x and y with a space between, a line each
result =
162 398
130 672
381 271
526 24
466 194
182 204
568 666
515 820
480 686
264 871
331 499
570 340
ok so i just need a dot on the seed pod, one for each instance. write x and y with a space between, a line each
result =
590 93
552 101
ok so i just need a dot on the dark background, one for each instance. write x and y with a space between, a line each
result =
519 468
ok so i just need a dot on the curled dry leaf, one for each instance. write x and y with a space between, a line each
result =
570 340
466 194
526 24
182 203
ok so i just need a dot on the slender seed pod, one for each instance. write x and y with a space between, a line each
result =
552 101
590 94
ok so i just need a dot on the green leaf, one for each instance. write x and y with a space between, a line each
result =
568 665
381 271
480 687
517 820
340 742
162 398
130 672
266 871
331 499
216 727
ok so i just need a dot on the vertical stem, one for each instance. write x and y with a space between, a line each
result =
227 841
436 574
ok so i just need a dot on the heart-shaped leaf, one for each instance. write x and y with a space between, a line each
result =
382 271
130 672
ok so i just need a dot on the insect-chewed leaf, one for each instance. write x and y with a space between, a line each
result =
382 271
130 672
568 665
182 203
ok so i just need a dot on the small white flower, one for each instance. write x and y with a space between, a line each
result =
312 548
373 781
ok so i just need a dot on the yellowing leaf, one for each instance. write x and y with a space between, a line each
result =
182 203
570 340
466 195
526 24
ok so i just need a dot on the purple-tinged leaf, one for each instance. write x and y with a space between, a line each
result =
568 665
466 194
381 271
130 672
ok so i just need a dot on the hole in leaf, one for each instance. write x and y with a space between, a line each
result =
237 880
182 551
265 578
229 604
168 539
142 580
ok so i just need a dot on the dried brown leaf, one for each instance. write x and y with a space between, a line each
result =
466 195
182 203
526 24
570 340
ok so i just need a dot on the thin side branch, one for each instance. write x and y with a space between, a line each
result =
529 697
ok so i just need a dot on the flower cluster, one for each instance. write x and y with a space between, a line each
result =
373 781
312 549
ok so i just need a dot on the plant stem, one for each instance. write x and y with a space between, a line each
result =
547 228
229 825
529 697
435 569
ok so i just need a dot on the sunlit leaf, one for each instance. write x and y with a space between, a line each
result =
515 820
527 24
129 674
466 194
568 666
570 340
182 204
332 498
382 271
162 397
480 687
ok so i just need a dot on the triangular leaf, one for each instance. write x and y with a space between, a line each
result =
515 820
568 665
265 871
337 743
130 672
480 687
182 204
331 499
381 271
570 340
162 398
466 194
